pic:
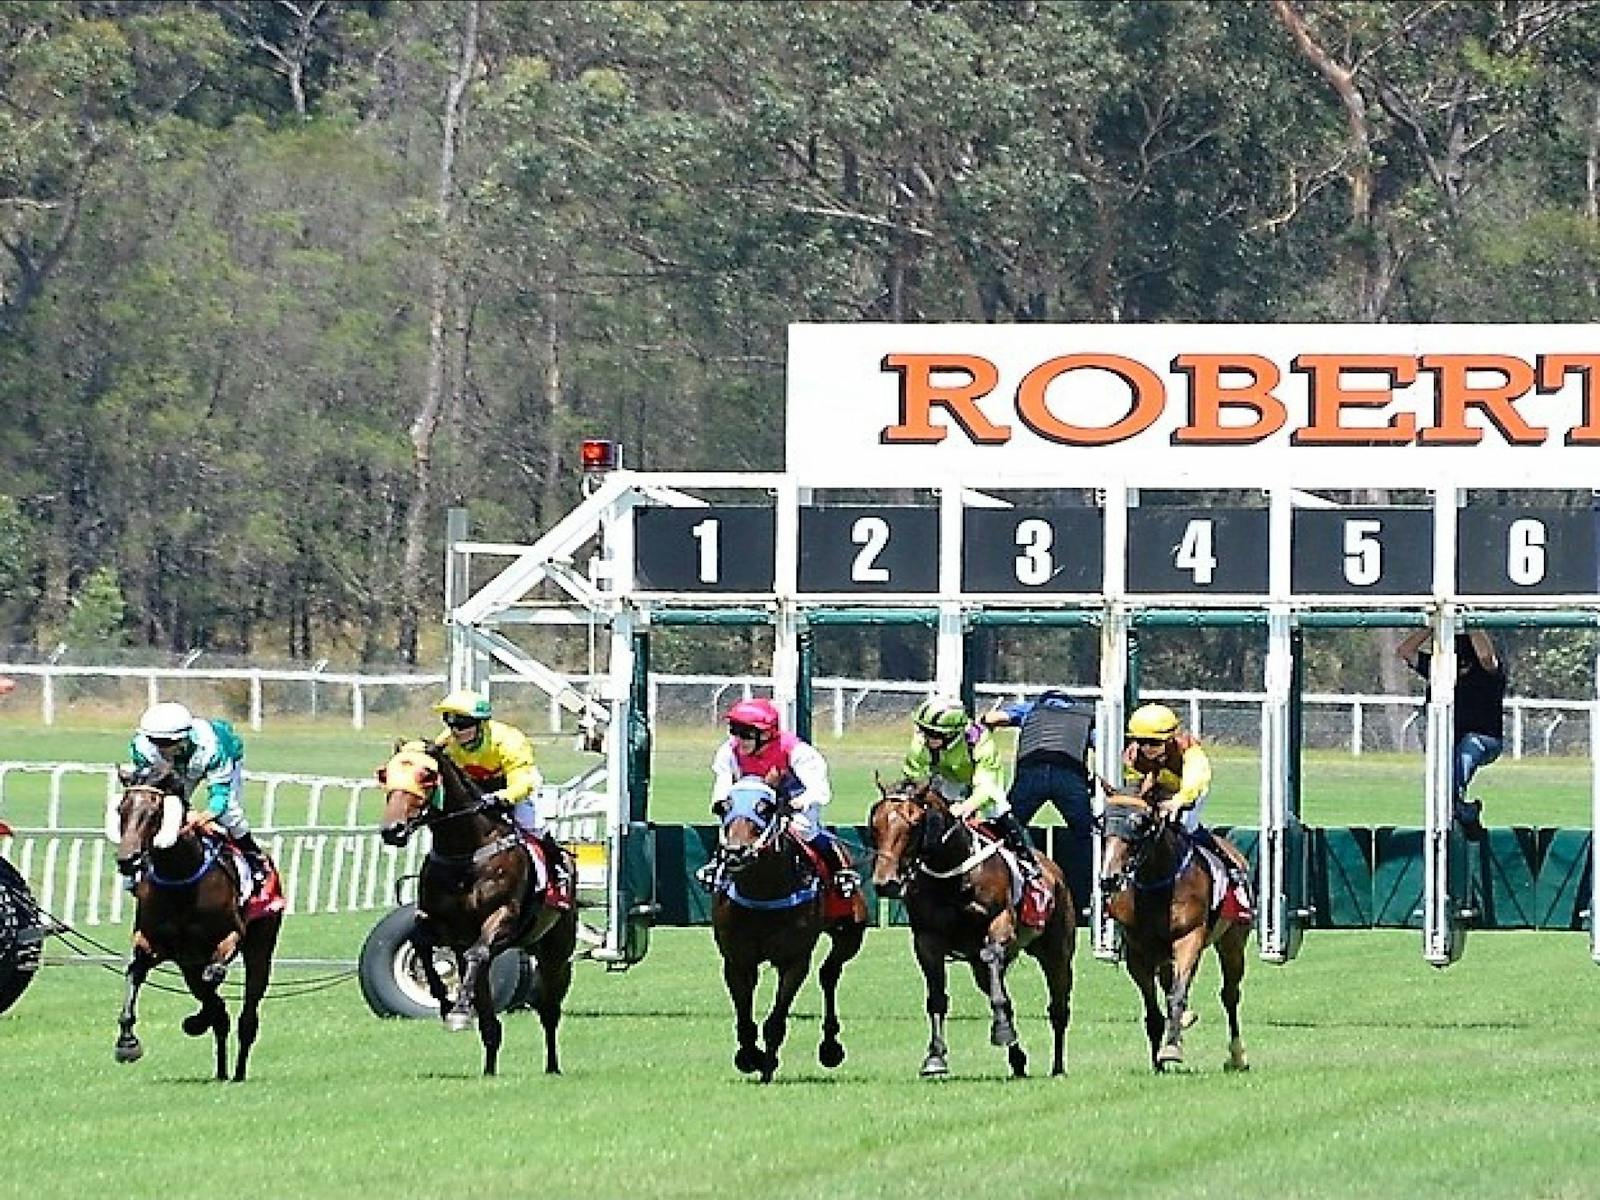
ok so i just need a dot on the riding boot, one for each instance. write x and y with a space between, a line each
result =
845 880
1017 841
256 858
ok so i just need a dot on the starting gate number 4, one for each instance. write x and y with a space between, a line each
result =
1379 551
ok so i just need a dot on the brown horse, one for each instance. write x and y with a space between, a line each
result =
958 892
1158 887
188 912
477 895
770 909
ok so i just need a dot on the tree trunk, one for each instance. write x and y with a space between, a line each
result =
425 425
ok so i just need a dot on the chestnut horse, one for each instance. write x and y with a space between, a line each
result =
477 895
770 909
957 889
188 912
1158 887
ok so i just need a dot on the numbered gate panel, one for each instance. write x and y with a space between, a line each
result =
1211 550
1522 552
869 549
1362 552
1030 550
716 549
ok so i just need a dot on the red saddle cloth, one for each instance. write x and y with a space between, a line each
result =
1036 904
557 894
268 898
834 906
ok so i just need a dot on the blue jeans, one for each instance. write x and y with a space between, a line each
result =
1068 789
1474 750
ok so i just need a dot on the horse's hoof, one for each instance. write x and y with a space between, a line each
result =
748 1060
1002 1033
214 974
196 1024
934 1067
129 1051
1240 1065
458 1022
1169 1055
1019 1063
830 1054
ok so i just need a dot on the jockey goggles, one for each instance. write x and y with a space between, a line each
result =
739 730
456 721
1152 743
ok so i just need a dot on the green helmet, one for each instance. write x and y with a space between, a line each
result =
941 715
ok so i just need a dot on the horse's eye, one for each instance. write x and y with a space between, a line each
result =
383 774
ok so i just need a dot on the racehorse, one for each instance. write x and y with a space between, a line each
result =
189 913
1158 887
478 895
958 894
771 910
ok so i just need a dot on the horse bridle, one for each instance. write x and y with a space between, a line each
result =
1149 825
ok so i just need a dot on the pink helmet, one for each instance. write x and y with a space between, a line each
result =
757 713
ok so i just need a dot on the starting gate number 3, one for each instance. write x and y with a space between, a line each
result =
1378 551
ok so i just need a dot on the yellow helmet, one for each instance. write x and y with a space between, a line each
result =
463 702
1153 721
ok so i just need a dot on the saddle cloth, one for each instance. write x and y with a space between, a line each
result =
557 894
834 906
1035 901
257 902
1234 908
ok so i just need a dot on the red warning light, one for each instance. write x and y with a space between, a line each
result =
599 454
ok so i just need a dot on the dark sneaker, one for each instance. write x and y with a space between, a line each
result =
1469 815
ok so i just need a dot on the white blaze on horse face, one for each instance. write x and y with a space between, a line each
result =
171 823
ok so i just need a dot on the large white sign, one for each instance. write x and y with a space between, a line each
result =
1330 406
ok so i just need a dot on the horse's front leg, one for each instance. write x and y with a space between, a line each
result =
1185 959
139 965
739 975
490 1032
493 935
423 946
989 971
775 1028
1142 970
258 947
930 957
212 1015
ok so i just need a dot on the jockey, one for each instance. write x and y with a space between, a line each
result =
1157 743
794 769
498 758
949 745
199 751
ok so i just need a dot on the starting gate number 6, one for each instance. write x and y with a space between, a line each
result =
1525 557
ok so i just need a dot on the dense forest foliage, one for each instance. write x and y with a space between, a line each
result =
283 279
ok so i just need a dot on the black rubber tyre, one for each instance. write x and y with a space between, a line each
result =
391 978
21 936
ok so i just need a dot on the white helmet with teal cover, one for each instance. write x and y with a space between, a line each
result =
166 722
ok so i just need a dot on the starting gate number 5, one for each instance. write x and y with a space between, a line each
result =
1363 553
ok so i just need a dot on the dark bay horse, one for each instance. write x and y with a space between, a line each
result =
958 894
477 895
1159 888
771 910
188 913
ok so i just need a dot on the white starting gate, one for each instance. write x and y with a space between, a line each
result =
938 475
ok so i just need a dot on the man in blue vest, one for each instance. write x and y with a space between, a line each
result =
1056 733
